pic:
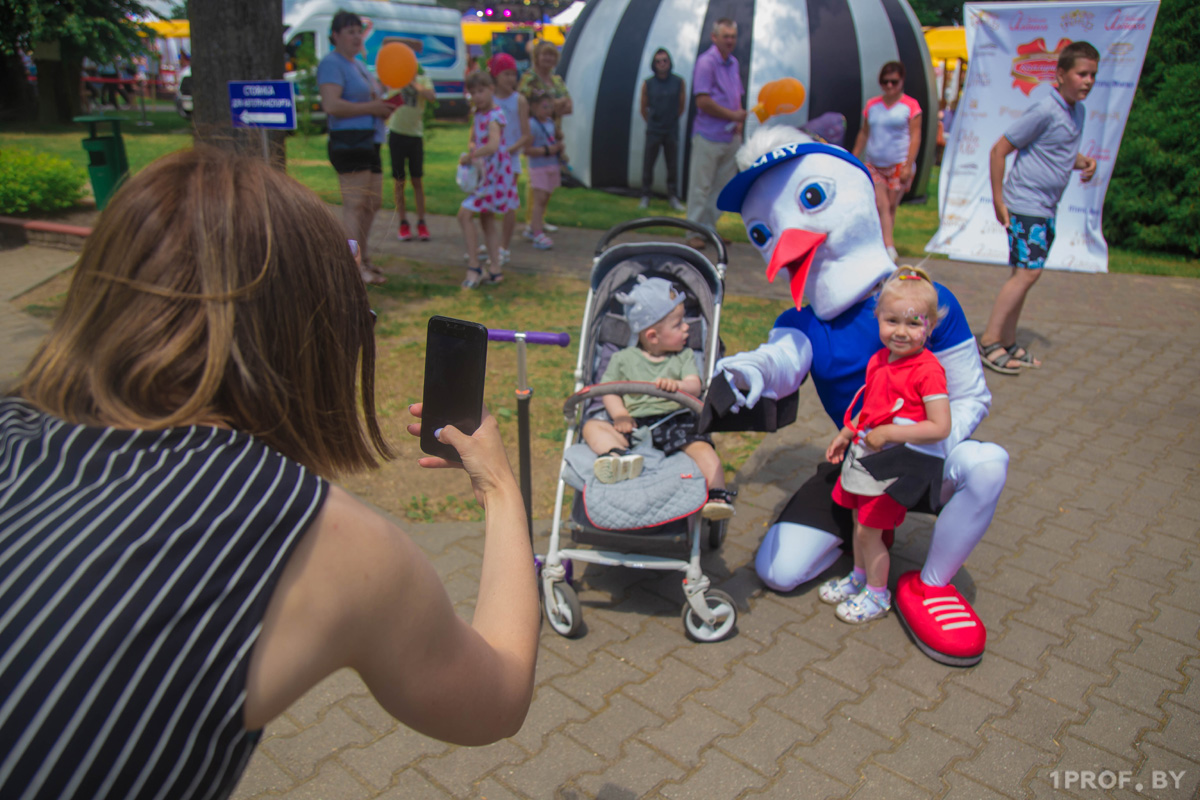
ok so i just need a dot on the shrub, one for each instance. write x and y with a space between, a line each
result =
32 181
1153 201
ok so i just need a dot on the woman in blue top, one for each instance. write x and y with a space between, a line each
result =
352 106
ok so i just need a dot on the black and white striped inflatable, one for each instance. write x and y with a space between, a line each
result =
834 47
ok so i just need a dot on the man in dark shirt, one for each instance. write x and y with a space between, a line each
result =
663 100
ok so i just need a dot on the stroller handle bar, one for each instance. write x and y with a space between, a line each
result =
585 394
531 337
669 222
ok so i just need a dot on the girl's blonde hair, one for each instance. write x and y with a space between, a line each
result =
915 284
217 290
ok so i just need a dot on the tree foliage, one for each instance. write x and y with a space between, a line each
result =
938 12
97 29
1153 201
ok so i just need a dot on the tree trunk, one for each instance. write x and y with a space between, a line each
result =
57 91
233 40
17 99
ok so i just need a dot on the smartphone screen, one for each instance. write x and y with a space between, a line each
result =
455 367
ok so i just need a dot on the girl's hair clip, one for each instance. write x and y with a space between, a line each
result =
909 278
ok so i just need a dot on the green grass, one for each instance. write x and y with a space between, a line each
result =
445 140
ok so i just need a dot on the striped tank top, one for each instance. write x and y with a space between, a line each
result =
135 570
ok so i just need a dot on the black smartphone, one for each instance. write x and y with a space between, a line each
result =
455 367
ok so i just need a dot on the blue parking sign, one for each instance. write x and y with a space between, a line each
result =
263 104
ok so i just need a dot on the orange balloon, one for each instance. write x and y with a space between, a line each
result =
396 65
779 97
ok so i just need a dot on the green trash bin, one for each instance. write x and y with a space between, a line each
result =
107 163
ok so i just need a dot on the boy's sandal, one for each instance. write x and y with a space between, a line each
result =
999 364
1023 357
471 281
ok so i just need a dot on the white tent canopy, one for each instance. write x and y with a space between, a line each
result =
569 16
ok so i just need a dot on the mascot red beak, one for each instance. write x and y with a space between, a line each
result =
795 251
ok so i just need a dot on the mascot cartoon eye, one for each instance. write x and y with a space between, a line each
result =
816 194
760 234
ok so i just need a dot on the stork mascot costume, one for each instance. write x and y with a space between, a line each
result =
809 208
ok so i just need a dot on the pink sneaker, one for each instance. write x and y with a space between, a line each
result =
422 232
405 233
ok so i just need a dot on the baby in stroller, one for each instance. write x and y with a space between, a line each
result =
654 310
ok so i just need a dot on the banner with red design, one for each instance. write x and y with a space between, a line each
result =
1014 49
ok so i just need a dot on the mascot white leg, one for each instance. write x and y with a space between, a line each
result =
941 621
791 554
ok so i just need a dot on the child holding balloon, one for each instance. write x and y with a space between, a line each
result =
497 189
406 127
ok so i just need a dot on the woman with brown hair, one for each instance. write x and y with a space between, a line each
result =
175 567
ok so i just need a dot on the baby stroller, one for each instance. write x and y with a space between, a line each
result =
652 521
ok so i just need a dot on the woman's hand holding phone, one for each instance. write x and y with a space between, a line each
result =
483 455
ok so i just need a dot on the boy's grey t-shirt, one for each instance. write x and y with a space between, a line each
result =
1047 140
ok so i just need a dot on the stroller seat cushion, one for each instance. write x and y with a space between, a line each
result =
669 488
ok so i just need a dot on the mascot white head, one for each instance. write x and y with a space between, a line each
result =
809 208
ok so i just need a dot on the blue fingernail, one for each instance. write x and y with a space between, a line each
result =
438 433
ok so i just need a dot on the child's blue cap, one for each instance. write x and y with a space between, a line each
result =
649 301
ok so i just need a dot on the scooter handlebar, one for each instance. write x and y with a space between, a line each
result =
531 337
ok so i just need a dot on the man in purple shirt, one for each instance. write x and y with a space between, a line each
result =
717 130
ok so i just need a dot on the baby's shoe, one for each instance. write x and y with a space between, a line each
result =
864 607
630 467
839 590
719 505
617 465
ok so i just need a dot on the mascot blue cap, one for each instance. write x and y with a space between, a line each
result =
734 193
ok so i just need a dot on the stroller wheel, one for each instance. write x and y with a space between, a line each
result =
720 604
716 533
563 611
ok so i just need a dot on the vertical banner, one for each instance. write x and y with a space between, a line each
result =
1014 51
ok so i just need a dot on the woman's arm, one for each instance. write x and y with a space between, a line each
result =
860 141
644 103
333 104
914 147
359 593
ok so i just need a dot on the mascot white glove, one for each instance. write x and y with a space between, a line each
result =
743 375
773 370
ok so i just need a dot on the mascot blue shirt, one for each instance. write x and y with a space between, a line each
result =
843 346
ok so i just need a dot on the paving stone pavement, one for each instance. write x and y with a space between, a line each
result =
1088 581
